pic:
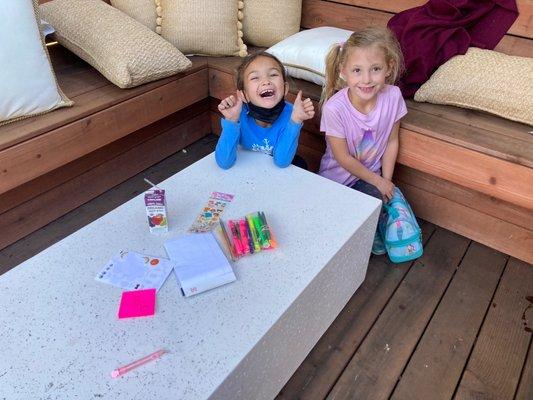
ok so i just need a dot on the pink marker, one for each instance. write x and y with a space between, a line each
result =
236 241
126 368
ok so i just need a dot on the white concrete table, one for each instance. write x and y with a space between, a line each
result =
60 337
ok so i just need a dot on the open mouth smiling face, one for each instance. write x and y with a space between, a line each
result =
264 85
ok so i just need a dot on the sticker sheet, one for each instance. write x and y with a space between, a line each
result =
211 212
132 271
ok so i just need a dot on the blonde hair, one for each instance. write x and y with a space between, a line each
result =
370 36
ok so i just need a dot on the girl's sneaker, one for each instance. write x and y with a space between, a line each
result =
378 247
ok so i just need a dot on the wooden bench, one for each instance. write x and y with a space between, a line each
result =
467 171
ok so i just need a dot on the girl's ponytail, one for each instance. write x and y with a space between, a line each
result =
333 80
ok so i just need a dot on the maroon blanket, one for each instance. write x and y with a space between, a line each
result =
440 29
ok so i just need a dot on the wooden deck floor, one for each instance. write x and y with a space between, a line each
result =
455 324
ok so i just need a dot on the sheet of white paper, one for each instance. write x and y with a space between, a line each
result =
199 262
131 270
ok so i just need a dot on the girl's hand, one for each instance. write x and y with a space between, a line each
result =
386 188
231 106
302 109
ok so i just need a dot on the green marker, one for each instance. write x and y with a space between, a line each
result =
259 228
255 236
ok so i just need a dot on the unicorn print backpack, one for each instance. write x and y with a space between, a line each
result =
400 231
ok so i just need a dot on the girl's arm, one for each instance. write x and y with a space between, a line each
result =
287 144
226 150
388 161
339 147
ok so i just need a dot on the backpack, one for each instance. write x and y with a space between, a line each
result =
400 231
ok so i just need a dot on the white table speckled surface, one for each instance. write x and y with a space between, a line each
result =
60 337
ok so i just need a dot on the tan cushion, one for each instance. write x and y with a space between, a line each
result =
266 22
142 11
27 82
206 27
123 50
484 80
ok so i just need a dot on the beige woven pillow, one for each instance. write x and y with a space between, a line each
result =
484 80
207 27
267 22
123 50
142 11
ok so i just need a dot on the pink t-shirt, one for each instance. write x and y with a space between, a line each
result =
366 134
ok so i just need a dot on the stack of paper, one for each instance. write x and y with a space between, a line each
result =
133 271
199 263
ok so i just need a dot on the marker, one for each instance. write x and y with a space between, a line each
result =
249 236
259 228
268 232
236 241
265 224
244 237
231 248
257 245
126 368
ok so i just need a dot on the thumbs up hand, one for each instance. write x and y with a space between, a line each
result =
302 109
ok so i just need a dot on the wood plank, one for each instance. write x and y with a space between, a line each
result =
467 197
313 141
525 389
498 178
324 364
36 213
46 182
311 157
88 103
221 84
496 362
26 161
437 364
523 26
477 119
472 223
325 13
376 366
36 242
316 13
517 149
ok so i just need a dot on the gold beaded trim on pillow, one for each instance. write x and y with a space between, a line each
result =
243 50
159 18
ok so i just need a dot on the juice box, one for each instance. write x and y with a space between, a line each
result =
156 210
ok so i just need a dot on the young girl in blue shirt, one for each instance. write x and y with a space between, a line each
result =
257 117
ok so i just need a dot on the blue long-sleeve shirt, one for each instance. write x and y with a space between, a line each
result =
280 140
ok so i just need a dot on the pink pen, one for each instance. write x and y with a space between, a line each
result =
126 368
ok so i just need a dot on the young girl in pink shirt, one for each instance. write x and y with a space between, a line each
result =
361 114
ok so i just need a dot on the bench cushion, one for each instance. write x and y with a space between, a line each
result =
484 80
27 82
123 50
143 11
187 25
266 22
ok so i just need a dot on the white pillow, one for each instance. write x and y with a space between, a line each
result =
27 81
304 53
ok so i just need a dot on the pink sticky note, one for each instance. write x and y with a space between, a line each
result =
137 303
